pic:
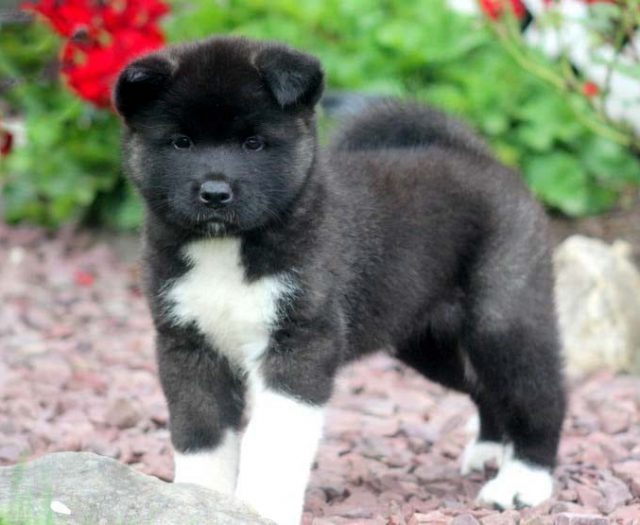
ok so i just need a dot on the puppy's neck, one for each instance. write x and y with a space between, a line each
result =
280 245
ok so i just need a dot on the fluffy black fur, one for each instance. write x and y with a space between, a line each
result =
404 234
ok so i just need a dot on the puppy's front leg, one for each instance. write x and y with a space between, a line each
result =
288 392
206 399
277 451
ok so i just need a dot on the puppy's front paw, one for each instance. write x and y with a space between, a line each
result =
517 484
477 453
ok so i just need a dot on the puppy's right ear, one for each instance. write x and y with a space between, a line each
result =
140 84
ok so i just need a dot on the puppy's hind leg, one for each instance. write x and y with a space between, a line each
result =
441 359
489 443
518 368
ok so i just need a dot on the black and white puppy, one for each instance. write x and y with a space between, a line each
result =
270 264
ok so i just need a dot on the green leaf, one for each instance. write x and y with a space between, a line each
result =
560 181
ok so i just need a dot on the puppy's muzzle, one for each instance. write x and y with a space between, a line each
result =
215 194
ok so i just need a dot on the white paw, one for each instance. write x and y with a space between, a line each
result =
215 469
517 485
477 453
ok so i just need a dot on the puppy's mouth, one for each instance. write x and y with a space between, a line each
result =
214 228
215 222
205 222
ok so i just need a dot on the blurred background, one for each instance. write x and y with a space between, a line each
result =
553 85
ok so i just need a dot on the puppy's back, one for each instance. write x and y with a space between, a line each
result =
391 125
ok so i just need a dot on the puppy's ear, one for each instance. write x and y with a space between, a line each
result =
139 84
294 78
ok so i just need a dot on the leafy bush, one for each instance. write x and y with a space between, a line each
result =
69 167
596 74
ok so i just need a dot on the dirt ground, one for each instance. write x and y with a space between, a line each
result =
77 373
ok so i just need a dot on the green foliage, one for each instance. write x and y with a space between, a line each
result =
70 167
70 159
62 171
536 128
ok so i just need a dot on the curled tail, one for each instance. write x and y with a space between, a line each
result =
393 124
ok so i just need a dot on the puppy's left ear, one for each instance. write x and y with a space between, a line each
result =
294 78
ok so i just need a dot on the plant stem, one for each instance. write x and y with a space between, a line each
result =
512 42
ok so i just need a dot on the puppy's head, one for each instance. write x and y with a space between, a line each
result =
219 134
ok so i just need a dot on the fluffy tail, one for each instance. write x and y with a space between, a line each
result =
394 124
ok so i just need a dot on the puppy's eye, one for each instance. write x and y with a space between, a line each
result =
253 144
182 142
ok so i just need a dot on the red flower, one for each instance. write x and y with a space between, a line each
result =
83 278
91 69
6 142
494 9
103 37
66 16
590 89
132 13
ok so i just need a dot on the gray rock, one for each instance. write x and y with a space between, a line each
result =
82 488
568 518
598 302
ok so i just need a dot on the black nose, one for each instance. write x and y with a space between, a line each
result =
215 193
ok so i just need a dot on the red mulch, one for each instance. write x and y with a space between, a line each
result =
77 373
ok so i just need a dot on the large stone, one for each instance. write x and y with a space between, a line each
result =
598 302
81 487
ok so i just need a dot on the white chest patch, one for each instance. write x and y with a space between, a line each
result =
236 314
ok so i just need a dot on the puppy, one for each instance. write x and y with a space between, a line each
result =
270 264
